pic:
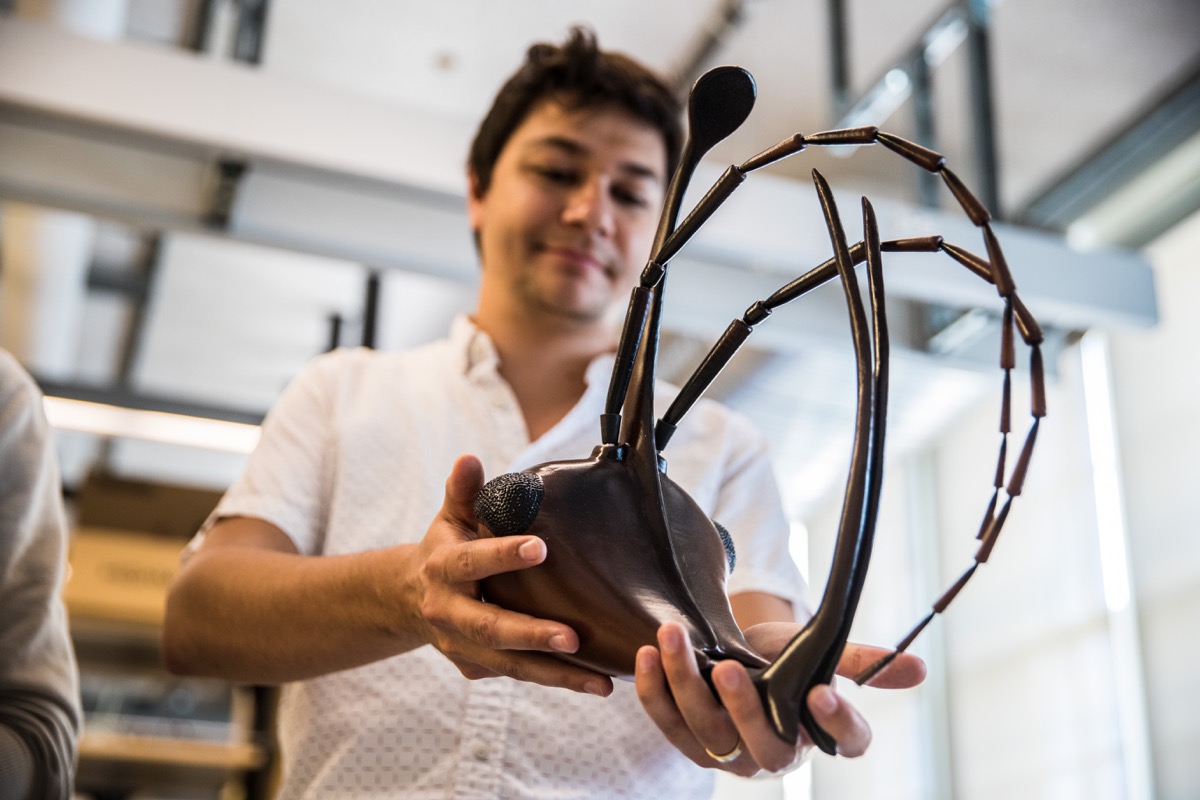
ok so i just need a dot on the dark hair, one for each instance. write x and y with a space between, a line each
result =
577 74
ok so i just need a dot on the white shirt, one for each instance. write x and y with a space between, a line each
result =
355 456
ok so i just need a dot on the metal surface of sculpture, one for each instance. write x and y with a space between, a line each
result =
628 549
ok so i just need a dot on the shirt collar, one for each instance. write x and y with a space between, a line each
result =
478 353
474 348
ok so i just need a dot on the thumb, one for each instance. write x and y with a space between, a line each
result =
904 672
462 487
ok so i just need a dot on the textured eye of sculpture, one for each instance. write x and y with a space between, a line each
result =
629 549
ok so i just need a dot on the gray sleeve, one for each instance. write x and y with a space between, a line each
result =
16 766
39 684
37 747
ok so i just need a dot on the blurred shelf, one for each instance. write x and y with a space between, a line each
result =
116 747
172 752
113 760
147 732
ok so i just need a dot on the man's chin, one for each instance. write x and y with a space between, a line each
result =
580 313
579 304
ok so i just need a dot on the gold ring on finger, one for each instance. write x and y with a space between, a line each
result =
730 756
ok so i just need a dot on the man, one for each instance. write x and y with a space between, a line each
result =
39 684
322 568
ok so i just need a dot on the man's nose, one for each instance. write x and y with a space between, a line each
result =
591 206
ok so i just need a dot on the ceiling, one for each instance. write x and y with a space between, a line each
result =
223 312
1067 75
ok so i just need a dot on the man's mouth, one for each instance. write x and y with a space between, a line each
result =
577 257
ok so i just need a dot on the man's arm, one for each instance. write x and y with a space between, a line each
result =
39 686
753 608
248 607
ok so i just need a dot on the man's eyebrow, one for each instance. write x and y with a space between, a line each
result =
574 148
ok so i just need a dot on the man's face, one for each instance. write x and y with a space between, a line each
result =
569 218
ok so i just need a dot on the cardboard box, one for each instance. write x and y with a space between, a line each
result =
107 501
120 576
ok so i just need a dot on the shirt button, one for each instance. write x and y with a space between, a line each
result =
480 751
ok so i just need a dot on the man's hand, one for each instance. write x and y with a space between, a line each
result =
247 606
443 596
680 702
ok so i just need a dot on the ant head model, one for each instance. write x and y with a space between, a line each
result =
629 549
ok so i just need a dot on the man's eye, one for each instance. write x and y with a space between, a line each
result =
562 177
629 197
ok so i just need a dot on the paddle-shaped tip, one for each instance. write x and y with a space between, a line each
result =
720 101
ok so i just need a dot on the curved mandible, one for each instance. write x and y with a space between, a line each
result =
811 657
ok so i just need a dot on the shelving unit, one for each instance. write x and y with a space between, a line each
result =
147 733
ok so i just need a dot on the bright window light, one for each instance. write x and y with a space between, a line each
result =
1110 511
1128 681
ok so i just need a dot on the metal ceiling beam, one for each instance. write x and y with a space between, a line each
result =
699 55
250 30
223 110
337 175
983 118
839 58
910 76
1160 129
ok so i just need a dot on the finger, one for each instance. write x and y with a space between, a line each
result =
904 672
840 720
655 695
704 715
741 700
543 670
496 628
462 487
466 562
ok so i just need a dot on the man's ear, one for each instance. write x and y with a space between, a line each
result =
474 201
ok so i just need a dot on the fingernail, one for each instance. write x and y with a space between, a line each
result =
822 700
532 550
561 643
645 659
594 687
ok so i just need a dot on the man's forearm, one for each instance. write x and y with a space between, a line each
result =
262 616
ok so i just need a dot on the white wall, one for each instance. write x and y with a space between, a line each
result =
1157 397
1028 658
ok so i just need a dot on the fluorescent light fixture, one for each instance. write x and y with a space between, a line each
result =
879 103
964 331
1155 194
944 38
156 426
891 91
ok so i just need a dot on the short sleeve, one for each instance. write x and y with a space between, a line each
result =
287 478
750 507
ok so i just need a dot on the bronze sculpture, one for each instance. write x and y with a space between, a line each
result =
629 549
